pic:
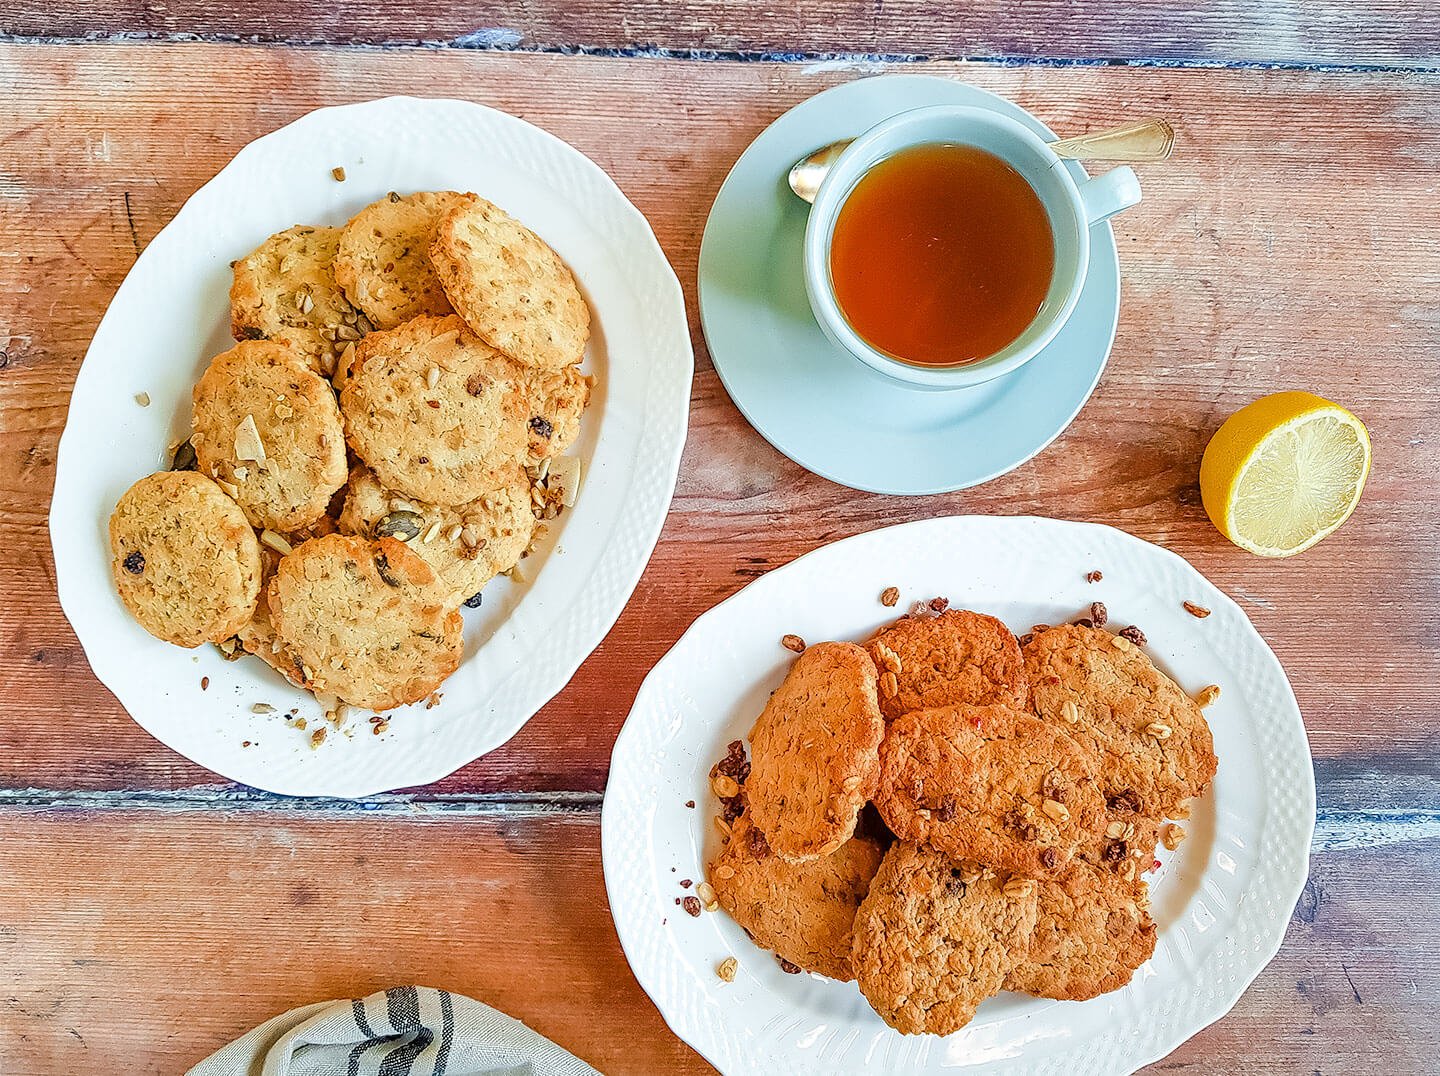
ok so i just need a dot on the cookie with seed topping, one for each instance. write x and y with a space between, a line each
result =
956 658
267 428
509 286
814 752
932 940
1093 929
803 912
368 621
383 261
185 561
556 400
285 290
438 414
991 784
1102 691
467 545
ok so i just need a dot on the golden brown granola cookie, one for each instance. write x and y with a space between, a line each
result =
956 658
369 621
512 289
991 784
383 263
285 290
1126 846
801 911
467 545
814 752
1094 929
268 430
1104 692
933 939
434 411
555 401
185 561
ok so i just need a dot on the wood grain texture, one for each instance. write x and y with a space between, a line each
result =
1264 257
1373 32
150 966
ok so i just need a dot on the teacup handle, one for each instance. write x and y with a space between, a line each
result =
1109 193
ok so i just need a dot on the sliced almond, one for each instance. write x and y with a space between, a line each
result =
248 445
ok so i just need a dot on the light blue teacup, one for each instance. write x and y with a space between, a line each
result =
1071 207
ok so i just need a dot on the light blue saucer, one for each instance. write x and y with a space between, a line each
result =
819 405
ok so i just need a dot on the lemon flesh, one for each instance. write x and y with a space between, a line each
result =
1284 472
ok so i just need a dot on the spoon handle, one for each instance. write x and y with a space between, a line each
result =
1149 141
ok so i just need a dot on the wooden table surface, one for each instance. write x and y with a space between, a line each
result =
149 911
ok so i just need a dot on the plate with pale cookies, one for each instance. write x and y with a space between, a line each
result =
967 794
371 447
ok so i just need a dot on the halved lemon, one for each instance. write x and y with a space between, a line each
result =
1284 472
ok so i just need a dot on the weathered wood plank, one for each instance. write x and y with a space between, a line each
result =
121 955
1263 258
1380 32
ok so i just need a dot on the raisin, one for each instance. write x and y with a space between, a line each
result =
691 905
1115 851
473 602
135 562
1123 801
946 811
1099 614
1049 858
787 967
542 425
1134 634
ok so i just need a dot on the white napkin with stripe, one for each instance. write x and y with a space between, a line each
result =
403 1031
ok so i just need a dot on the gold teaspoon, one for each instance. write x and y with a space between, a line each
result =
1152 140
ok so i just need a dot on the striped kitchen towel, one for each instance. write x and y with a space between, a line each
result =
403 1031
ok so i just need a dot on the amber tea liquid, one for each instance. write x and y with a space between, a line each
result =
942 255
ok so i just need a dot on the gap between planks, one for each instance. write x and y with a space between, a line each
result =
1335 830
817 62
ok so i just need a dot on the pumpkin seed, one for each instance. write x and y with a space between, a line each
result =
403 526
184 458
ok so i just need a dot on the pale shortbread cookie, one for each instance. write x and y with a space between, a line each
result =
268 430
383 263
509 286
467 545
369 622
285 290
434 411
185 561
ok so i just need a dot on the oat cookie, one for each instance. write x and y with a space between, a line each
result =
956 658
467 545
934 938
369 621
554 403
286 291
801 911
434 411
509 286
814 752
268 430
1126 846
1153 739
991 784
185 561
1093 931
383 263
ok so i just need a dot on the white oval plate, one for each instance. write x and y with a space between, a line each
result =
1222 900
171 316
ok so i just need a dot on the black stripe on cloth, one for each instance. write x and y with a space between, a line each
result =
403 1005
357 1010
447 1032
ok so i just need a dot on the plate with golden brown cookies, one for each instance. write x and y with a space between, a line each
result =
969 794
371 447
